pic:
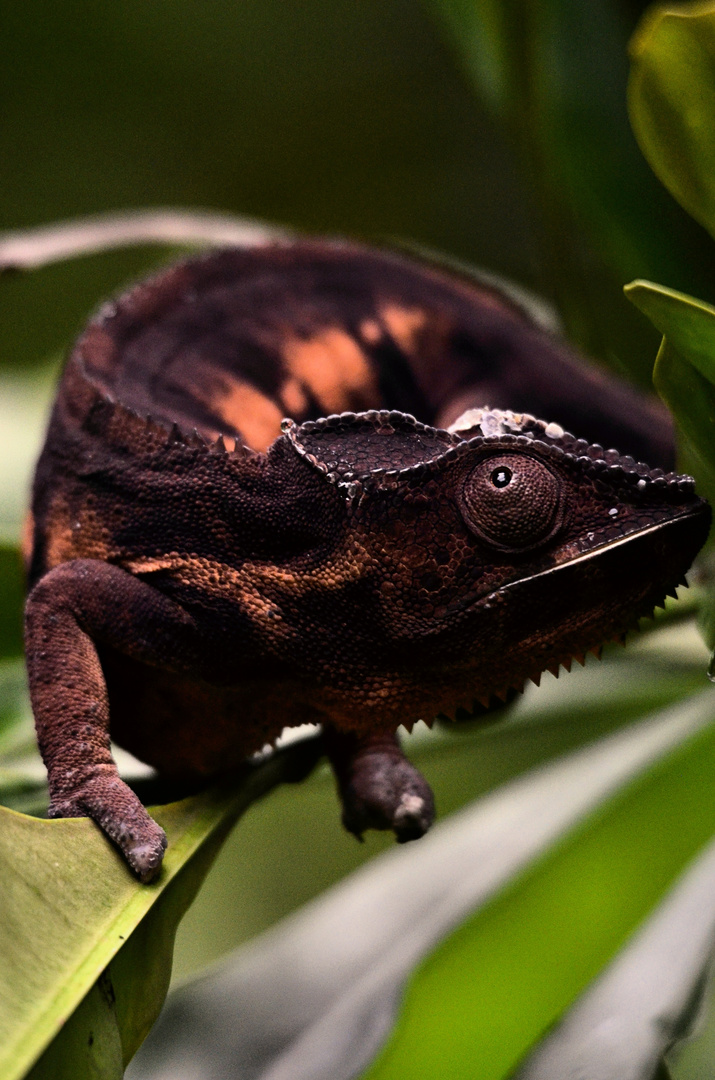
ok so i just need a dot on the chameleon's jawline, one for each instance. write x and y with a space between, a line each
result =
610 545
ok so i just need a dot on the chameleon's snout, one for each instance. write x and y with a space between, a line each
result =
616 585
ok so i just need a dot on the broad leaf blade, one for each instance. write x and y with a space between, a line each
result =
647 999
499 983
316 996
687 323
684 373
672 102
69 904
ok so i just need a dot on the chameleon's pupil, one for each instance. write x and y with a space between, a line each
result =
501 477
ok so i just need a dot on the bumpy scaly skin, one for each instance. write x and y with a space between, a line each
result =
198 576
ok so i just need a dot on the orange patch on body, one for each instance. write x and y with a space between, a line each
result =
147 565
256 584
370 331
293 397
404 324
244 408
27 539
73 536
334 368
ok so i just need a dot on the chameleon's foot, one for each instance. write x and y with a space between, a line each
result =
379 788
120 814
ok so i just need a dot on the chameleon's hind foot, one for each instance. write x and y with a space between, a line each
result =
379 788
120 814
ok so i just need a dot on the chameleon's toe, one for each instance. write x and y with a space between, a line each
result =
121 815
381 789
413 816
145 858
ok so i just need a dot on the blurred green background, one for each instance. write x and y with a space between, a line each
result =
328 115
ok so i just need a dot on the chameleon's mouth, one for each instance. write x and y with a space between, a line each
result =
686 533
544 621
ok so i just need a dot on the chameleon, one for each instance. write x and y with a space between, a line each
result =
306 481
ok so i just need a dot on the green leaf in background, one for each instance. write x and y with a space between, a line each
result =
514 967
69 903
684 376
14 707
556 73
545 890
24 408
647 1000
684 373
671 97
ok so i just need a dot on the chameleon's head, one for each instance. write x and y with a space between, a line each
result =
499 548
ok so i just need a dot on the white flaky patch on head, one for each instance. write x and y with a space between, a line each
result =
486 421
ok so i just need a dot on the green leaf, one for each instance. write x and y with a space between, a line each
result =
115 1017
688 324
647 999
500 981
89 1045
672 101
684 376
557 73
480 32
69 905
15 714
316 996
684 373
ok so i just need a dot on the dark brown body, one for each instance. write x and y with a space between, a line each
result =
339 572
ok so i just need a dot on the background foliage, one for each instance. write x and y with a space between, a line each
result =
495 131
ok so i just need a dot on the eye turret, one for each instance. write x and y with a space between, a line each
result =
512 501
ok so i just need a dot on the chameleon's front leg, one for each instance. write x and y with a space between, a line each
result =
379 788
69 609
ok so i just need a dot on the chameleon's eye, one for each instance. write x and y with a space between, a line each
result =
512 501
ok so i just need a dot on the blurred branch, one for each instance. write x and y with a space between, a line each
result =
29 249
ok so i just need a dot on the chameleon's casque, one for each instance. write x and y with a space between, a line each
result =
202 569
